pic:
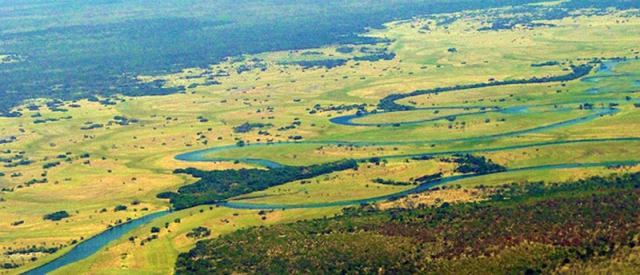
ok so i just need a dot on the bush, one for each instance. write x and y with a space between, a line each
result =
56 216
199 232
9 266
344 49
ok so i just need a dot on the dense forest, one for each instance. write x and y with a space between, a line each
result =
528 228
66 57
216 186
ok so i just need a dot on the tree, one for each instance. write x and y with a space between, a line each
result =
56 216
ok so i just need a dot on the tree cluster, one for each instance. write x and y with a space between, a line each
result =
56 216
478 165
246 127
217 186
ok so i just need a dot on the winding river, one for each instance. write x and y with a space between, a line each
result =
93 245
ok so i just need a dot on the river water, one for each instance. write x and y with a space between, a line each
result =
93 245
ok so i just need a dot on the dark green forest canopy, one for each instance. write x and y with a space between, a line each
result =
523 229
217 186
71 52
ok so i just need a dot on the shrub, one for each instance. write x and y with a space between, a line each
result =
56 216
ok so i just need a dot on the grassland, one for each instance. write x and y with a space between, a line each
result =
151 257
130 164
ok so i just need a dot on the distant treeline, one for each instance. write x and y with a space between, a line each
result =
376 57
74 62
389 102
525 17
545 64
332 63
598 4
217 186
528 15
326 63
531 228
510 24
